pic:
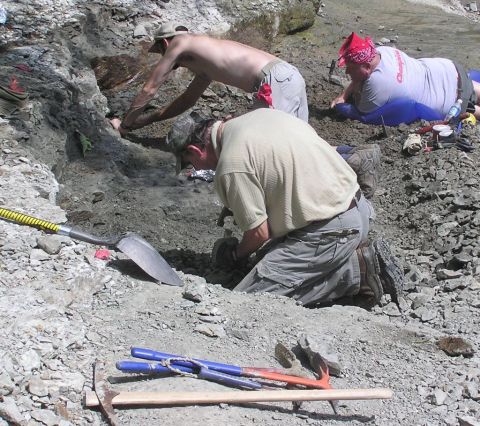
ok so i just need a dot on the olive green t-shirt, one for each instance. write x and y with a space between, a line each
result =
273 166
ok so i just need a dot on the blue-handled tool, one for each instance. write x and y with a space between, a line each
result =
274 374
200 372
162 356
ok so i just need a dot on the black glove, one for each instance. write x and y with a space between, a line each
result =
224 252
223 214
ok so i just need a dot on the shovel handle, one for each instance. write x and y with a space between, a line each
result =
23 219
43 225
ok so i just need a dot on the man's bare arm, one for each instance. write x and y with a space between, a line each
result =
154 81
181 104
350 89
253 239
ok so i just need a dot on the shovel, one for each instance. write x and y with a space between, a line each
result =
132 245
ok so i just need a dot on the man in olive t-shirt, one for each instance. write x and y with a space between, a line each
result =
285 183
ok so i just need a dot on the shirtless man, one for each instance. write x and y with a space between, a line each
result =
277 83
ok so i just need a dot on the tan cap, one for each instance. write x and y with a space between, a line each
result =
166 30
169 29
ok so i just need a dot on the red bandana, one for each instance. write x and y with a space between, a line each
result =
357 50
265 94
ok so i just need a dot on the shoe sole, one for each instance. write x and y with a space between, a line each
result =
391 270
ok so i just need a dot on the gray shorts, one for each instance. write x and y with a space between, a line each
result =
315 264
288 88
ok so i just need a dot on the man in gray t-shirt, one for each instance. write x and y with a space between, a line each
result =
381 75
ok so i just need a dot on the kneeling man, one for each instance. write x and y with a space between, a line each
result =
285 183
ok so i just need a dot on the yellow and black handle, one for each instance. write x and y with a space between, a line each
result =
43 225
23 219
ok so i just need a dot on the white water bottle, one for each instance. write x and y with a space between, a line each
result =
454 110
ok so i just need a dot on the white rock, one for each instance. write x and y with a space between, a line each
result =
47 417
36 386
10 412
29 360
468 421
439 396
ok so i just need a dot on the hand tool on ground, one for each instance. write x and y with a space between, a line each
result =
238 397
103 394
273 374
197 370
132 245
288 359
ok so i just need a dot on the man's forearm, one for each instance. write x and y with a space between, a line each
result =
253 239
135 110
177 107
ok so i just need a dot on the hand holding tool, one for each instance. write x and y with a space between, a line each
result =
224 252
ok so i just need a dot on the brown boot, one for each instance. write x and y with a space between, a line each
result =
364 161
371 290
380 272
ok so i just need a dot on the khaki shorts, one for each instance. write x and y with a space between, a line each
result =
288 88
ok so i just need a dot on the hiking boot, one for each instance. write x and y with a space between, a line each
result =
391 270
364 161
371 289
380 273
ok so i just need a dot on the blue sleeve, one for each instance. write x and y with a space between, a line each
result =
474 75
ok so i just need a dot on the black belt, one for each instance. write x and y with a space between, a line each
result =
355 200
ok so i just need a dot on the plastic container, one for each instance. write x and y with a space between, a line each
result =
446 135
454 110
438 128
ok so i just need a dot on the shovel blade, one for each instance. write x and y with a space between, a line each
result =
145 256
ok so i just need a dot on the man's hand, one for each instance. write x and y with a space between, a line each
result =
224 252
223 214
116 123
340 99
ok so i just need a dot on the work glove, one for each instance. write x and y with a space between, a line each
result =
223 214
224 252
413 144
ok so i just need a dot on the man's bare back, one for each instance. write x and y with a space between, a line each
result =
225 61
209 59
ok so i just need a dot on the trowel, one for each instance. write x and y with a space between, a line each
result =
132 245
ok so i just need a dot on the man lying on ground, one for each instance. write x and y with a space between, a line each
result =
286 185
383 74
277 83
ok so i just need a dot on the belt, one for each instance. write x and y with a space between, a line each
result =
355 200
264 72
